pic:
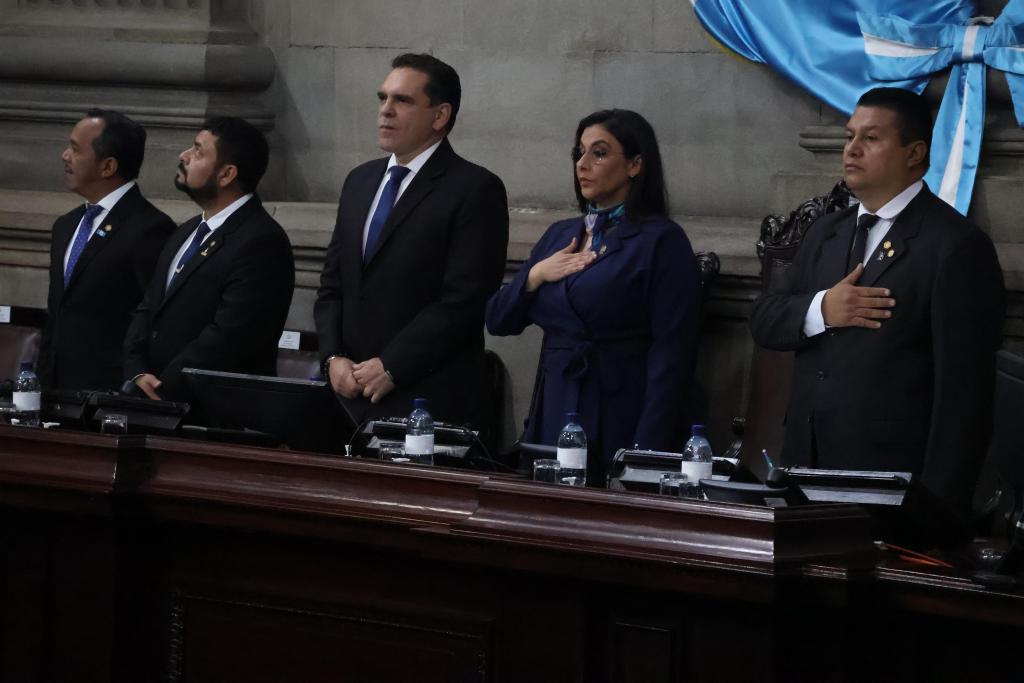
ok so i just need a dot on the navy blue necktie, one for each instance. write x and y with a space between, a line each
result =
201 232
384 206
81 238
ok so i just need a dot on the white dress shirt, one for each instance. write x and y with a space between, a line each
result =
213 222
414 167
814 321
107 203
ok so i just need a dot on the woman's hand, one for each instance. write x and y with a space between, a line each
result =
559 265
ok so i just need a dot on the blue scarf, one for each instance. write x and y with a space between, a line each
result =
599 221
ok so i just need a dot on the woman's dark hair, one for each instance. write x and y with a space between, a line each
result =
647 195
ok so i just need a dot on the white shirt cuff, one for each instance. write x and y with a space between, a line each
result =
814 321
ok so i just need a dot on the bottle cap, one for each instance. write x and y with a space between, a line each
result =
571 417
419 404
697 430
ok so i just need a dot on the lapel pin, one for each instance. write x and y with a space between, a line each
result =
887 244
108 228
891 253
604 248
881 255
205 252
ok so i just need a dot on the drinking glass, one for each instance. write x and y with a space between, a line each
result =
546 471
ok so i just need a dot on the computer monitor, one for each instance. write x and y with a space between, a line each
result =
301 414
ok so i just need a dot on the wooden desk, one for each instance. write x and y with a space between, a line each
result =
140 558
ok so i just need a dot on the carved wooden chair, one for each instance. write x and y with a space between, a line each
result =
771 371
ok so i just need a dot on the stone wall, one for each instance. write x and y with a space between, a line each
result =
738 140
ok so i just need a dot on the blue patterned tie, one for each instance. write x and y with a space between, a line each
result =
384 206
81 238
197 242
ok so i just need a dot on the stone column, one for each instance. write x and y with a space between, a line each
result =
168 64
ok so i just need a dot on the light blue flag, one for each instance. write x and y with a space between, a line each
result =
837 49
897 48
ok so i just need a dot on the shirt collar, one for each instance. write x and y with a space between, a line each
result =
419 161
895 206
218 219
114 197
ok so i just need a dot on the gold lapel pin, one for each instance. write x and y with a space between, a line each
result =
886 245
891 253
108 227
205 252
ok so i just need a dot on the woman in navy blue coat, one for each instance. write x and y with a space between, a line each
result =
617 294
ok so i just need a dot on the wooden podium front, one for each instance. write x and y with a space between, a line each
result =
154 559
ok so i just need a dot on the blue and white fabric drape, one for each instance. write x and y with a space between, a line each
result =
840 48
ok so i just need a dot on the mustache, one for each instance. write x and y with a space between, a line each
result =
181 167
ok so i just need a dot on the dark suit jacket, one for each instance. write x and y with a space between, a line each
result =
620 338
86 323
224 311
916 394
418 303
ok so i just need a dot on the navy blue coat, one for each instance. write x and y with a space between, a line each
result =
620 338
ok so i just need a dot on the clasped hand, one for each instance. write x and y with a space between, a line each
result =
559 265
368 379
847 305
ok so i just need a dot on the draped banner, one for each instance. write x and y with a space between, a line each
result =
838 49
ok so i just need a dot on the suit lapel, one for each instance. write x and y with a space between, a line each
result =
105 233
612 242
422 185
62 234
896 242
353 237
213 244
835 249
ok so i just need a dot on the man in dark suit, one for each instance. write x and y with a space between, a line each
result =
894 308
418 247
102 255
224 282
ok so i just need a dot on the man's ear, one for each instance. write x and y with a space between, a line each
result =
442 116
917 153
108 167
227 174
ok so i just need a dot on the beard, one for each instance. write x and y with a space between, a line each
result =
200 195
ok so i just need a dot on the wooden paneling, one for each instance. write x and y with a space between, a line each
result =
129 559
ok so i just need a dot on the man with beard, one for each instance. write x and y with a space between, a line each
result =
102 255
224 282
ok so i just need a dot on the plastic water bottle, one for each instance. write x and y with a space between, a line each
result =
696 463
419 434
572 453
27 396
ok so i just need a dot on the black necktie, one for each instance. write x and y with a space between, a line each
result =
860 240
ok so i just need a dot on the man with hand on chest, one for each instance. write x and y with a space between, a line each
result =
224 282
894 308
102 255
